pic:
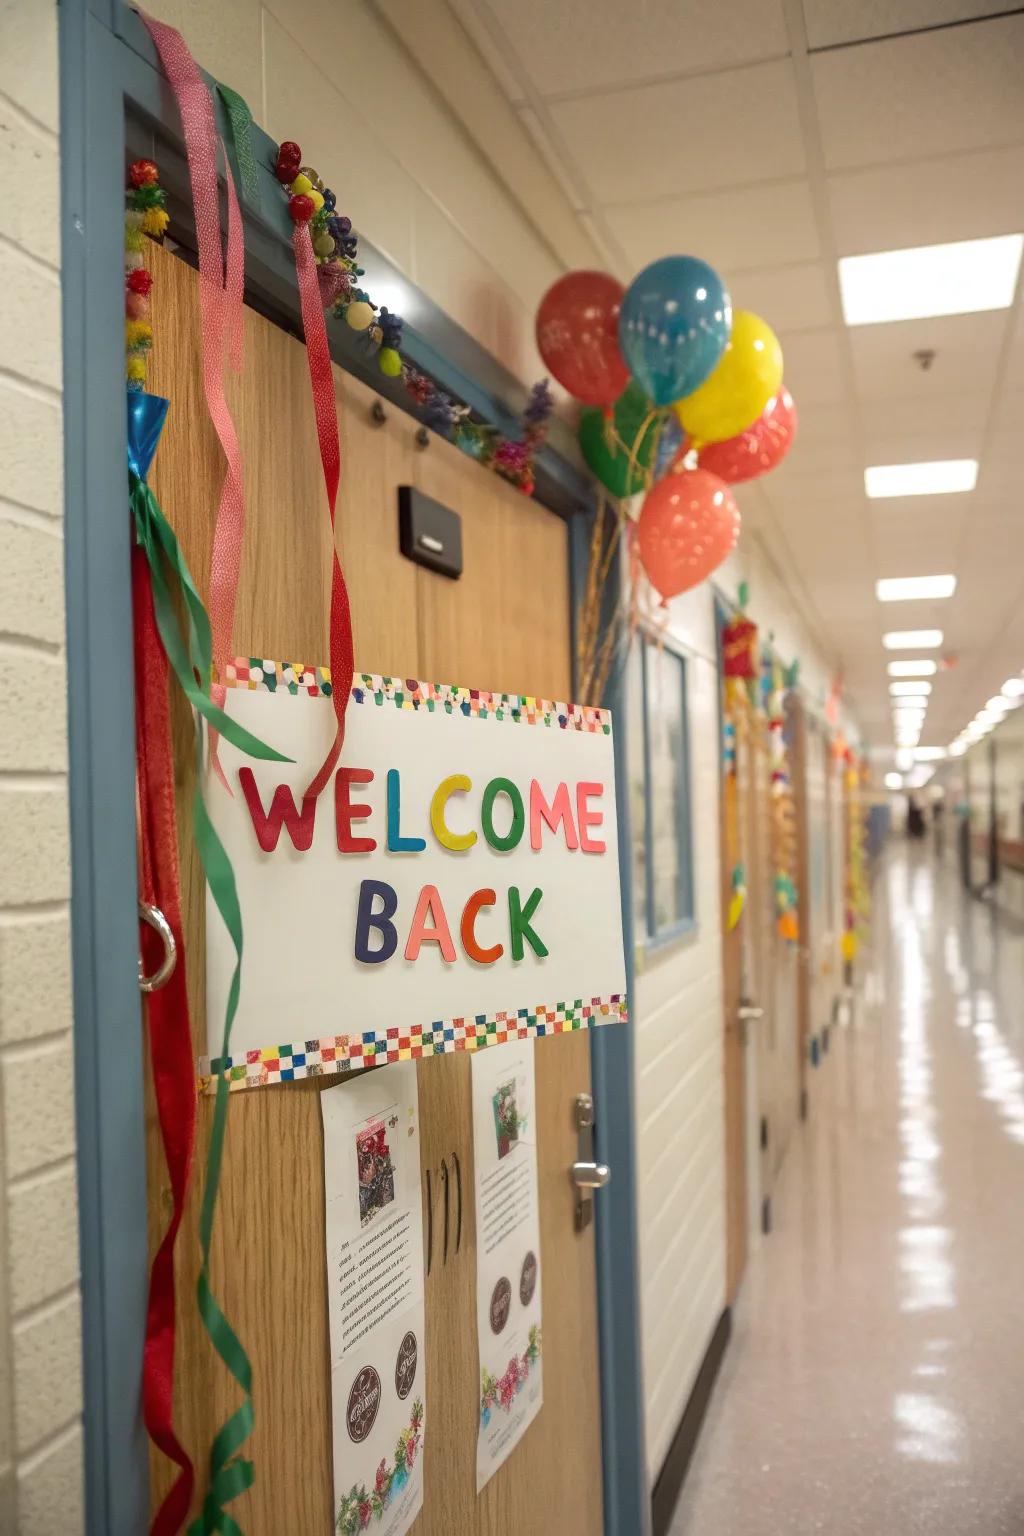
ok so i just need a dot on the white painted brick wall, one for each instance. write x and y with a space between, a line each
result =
40 1313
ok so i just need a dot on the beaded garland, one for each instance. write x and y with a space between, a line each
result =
335 247
145 214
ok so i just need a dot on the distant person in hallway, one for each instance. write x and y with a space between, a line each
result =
915 818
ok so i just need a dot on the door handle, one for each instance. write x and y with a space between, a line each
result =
586 1174
590 1175
746 1013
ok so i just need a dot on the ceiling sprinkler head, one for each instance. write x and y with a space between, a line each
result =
924 358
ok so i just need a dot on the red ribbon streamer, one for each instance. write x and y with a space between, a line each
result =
321 378
221 285
170 1039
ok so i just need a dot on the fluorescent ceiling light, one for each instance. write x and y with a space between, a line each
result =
929 754
910 690
894 781
920 668
997 704
961 278
912 639
1013 688
938 477
908 589
957 748
904 759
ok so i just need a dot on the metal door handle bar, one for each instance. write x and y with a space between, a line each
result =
747 1011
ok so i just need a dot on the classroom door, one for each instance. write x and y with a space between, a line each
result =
504 626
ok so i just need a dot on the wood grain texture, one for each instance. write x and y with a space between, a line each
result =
505 625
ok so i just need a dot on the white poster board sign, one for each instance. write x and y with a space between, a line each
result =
508 1288
374 1242
456 885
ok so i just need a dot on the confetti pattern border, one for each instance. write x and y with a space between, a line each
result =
295 677
334 1054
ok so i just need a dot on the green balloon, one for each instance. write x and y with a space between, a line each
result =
611 463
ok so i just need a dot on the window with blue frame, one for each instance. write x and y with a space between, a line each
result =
659 784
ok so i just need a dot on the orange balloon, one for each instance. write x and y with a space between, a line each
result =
688 525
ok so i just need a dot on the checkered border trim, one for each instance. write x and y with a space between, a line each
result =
296 677
347 1053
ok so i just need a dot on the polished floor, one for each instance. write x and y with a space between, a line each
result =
875 1380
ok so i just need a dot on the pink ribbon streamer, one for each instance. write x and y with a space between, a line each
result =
221 290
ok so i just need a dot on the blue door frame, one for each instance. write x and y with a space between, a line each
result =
114 100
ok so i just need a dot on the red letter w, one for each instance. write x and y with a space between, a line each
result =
282 812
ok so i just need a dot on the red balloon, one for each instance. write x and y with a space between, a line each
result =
760 448
689 523
578 336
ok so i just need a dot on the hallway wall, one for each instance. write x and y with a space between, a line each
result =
678 1024
40 1375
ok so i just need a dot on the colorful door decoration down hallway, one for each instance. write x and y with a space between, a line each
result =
868 1385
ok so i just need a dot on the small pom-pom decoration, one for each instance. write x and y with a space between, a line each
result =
140 282
390 362
133 218
289 150
136 369
133 260
324 245
359 315
301 186
133 240
300 208
312 177
330 201
316 198
155 222
142 173
138 335
333 280
136 305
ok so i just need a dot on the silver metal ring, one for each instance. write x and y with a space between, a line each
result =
162 975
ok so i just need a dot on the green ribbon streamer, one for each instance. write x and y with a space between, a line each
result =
190 657
230 1473
185 633
240 119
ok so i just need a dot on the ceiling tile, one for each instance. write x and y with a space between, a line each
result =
944 426
585 45
814 366
966 353
837 21
790 298
748 227
929 202
1013 378
924 95
685 135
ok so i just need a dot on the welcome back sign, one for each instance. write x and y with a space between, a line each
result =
456 884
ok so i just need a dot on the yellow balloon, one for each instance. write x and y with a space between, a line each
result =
734 396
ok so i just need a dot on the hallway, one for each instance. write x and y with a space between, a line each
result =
873 1381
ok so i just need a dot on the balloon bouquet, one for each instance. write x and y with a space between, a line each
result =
669 354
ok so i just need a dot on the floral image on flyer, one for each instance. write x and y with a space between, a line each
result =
375 1299
509 1330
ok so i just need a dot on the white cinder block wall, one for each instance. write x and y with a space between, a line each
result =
40 1376
678 1023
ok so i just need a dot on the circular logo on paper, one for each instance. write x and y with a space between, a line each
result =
363 1402
528 1279
501 1302
405 1365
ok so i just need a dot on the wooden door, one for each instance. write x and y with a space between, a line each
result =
734 1049
761 949
797 726
504 625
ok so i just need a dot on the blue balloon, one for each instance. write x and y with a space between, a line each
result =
674 324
